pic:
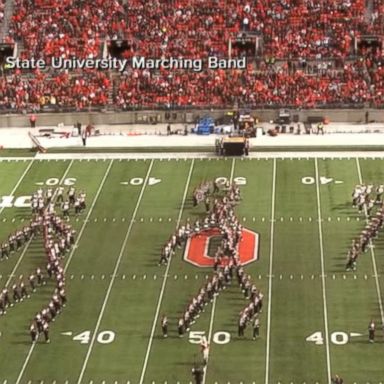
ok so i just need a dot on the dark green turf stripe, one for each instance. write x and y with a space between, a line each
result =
297 307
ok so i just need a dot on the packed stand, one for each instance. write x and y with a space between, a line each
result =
45 33
80 91
291 28
268 85
290 31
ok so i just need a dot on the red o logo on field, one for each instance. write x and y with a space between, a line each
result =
197 247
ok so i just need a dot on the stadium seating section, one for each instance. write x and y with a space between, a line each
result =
310 54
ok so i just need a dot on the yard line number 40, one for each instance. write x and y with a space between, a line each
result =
337 338
103 337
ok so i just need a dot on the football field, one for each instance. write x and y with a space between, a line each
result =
314 322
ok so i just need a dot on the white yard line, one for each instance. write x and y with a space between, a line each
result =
12 274
102 310
323 273
166 274
68 261
211 321
19 181
270 273
378 290
232 170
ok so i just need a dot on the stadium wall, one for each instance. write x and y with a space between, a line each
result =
177 116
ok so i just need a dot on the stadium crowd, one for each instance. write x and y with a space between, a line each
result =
61 89
293 28
293 33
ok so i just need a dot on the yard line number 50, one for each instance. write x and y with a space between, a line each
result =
220 337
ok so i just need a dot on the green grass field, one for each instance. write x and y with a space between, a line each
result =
110 330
